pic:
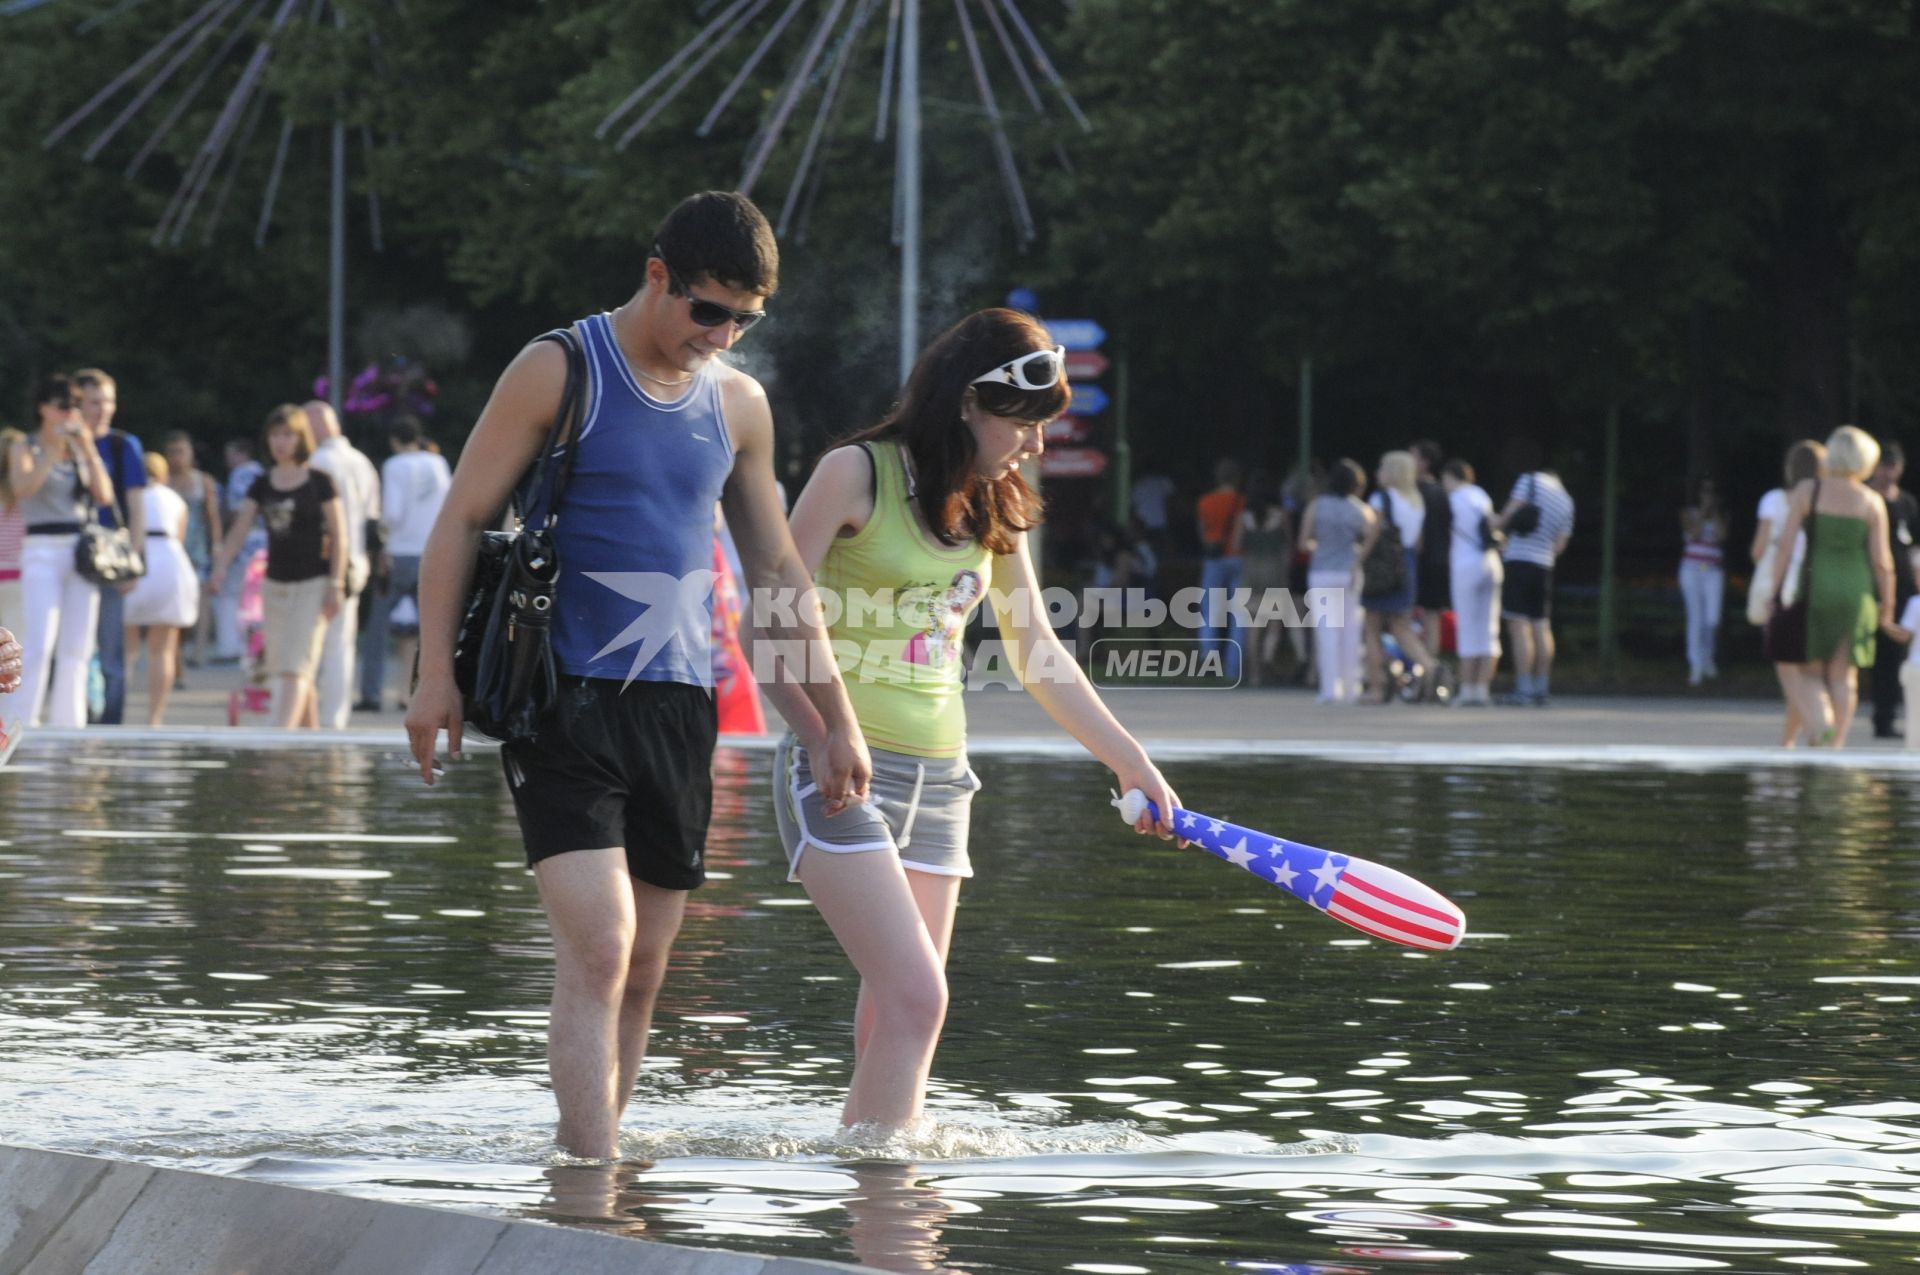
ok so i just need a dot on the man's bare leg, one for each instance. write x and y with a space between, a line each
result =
657 914
1542 655
590 911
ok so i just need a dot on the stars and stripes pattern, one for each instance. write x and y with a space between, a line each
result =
1369 896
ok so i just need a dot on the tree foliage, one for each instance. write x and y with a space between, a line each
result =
1476 216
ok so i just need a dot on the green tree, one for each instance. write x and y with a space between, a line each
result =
1577 190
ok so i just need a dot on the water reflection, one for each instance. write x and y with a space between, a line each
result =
1679 1038
894 1222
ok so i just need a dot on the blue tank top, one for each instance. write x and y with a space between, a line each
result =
635 529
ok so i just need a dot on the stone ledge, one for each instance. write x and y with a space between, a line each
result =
63 1214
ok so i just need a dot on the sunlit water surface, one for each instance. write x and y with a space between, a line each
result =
1678 1039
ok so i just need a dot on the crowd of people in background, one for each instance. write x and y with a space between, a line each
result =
1437 581
266 568
305 568
1412 566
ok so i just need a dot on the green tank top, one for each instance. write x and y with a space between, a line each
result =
904 601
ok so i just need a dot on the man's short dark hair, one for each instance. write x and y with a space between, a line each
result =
1429 451
1891 454
1458 469
405 431
720 235
242 444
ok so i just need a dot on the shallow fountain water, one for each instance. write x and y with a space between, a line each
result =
1677 1038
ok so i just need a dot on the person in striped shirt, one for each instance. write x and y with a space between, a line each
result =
1538 520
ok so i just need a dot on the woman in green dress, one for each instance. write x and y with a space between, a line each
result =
1847 583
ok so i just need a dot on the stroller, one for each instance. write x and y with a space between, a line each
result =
1404 677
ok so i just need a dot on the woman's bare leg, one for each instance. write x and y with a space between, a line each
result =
1807 694
875 911
1790 731
163 650
1843 688
1376 660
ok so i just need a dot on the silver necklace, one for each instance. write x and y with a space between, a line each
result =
661 380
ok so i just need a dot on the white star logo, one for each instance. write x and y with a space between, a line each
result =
1275 850
1284 874
1327 874
1215 826
1188 819
1238 855
663 596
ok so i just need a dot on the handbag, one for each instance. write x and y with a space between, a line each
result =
1526 519
1492 539
1785 639
1384 572
503 653
1757 595
107 554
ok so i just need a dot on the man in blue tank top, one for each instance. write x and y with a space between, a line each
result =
614 795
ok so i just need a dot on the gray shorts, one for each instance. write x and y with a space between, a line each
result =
918 808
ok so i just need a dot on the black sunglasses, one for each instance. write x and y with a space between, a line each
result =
708 314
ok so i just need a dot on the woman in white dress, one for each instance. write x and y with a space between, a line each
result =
166 600
1477 574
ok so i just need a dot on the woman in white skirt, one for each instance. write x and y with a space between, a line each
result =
1477 575
166 599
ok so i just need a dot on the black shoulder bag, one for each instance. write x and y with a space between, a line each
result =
108 555
1526 519
503 654
1384 572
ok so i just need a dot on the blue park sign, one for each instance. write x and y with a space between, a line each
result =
1077 334
1089 400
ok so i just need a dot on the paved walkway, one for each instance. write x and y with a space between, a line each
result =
1267 721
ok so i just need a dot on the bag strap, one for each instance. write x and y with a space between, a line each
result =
115 508
542 497
1806 559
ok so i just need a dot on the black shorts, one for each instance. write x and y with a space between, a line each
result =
630 768
1528 591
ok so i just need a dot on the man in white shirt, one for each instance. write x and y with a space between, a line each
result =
359 488
415 483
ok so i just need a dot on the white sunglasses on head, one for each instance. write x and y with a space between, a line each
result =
1049 367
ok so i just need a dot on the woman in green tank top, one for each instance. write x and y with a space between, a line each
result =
907 532
1849 564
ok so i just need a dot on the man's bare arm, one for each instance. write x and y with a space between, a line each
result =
509 434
